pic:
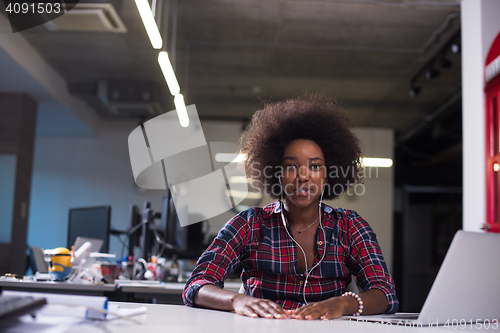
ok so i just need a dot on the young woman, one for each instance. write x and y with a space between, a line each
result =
297 254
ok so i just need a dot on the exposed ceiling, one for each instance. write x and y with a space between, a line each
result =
229 54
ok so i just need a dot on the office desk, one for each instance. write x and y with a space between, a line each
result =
175 318
165 293
53 287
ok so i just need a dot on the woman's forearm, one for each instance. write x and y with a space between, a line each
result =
374 301
213 297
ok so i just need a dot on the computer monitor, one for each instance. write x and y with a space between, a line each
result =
187 241
90 222
168 219
134 238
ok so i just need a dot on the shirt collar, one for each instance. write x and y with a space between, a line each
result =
275 207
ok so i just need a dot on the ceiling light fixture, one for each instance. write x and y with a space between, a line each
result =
414 91
149 23
441 60
376 162
429 69
168 73
180 106
173 86
444 63
431 73
239 179
243 194
227 158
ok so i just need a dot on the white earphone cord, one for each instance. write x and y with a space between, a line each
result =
308 271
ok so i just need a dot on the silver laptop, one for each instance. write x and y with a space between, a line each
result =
96 243
466 289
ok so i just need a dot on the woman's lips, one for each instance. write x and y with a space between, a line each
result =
303 192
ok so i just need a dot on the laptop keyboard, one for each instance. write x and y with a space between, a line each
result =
405 316
14 306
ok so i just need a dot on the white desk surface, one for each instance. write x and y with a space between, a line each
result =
177 318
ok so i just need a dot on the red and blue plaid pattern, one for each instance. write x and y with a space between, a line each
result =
257 241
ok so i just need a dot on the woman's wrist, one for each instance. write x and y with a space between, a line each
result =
358 299
349 305
235 299
212 297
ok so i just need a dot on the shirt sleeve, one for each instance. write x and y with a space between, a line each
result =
366 261
221 258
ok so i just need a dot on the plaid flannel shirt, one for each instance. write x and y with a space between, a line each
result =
256 240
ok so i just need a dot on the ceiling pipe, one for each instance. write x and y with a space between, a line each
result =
431 118
428 69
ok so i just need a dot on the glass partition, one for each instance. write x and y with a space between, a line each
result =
7 187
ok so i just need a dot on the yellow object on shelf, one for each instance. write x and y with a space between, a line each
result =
60 263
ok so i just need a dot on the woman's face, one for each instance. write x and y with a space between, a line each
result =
303 172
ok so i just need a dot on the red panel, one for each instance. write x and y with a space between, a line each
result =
492 92
492 157
494 50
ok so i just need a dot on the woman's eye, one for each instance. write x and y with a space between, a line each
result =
315 166
290 166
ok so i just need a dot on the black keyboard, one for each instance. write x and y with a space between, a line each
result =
13 306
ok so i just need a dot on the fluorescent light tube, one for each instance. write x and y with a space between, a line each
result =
226 157
239 179
245 195
149 23
168 73
181 110
376 162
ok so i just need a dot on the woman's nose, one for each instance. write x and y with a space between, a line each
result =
303 174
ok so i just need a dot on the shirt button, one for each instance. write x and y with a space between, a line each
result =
320 243
301 282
